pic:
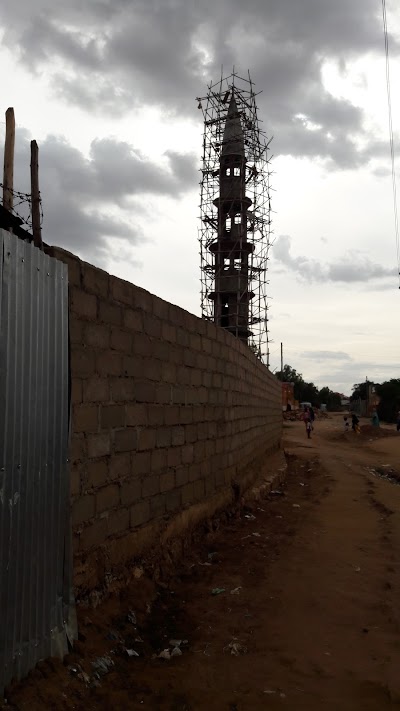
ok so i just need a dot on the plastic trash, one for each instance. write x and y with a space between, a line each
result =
131 653
113 635
217 591
84 677
250 517
132 617
74 669
296 506
236 591
176 652
165 654
235 647
257 535
102 665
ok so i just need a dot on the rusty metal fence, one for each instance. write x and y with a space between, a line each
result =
37 614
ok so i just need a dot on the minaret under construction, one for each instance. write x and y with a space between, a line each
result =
231 249
235 224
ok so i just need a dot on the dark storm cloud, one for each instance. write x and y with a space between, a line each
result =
114 54
354 267
80 194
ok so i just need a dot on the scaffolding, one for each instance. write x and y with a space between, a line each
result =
249 239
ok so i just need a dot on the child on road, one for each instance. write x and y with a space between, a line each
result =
307 421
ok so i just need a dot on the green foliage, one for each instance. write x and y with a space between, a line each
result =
290 375
303 392
308 392
331 399
389 393
359 391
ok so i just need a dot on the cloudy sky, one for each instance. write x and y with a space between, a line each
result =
108 87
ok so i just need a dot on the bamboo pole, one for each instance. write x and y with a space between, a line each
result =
35 196
8 174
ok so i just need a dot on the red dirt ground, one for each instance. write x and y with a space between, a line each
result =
314 616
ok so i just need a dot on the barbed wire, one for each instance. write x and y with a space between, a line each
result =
24 199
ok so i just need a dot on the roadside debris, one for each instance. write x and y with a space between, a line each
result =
217 591
236 591
176 652
235 647
84 677
131 653
250 517
296 506
114 636
385 471
102 666
174 649
132 617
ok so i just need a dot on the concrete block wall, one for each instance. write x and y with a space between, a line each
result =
167 411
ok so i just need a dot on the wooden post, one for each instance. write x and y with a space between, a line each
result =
35 196
8 175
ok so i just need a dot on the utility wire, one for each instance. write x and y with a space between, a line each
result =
389 98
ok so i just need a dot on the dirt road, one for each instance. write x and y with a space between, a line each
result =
305 610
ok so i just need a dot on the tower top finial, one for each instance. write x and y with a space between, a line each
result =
233 140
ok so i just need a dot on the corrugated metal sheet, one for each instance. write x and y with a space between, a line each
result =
36 606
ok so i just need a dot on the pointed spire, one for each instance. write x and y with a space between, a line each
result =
233 141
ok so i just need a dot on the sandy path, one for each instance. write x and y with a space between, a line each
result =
316 613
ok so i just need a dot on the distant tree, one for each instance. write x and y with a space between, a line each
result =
303 392
389 393
290 375
331 399
310 393
359 391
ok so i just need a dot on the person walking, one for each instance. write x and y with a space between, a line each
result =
375 419
307 421
355 423
312 416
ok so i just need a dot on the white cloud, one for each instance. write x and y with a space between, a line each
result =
352 267
118 81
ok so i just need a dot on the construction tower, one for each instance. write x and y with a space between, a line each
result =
235 213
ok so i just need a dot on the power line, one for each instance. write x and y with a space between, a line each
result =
392 156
